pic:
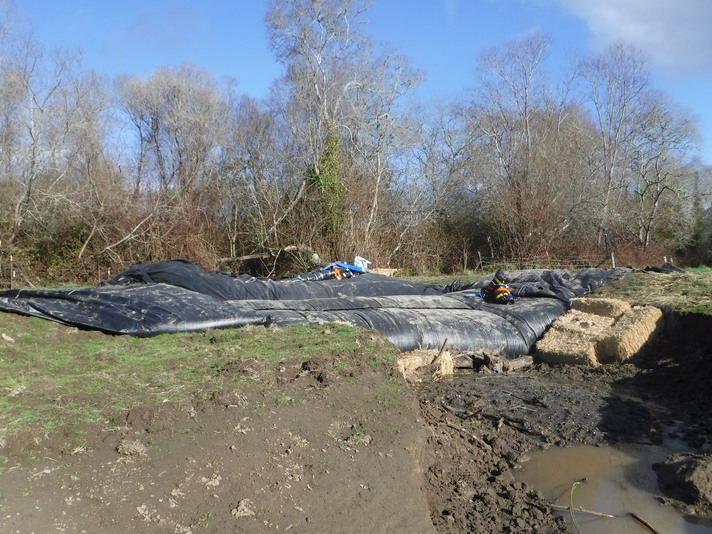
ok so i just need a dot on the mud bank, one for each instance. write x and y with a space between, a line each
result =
494 421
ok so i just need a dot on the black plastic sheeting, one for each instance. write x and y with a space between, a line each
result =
178 296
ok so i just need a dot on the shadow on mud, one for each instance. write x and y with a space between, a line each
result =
667 397
659 405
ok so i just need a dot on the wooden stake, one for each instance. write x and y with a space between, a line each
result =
442 349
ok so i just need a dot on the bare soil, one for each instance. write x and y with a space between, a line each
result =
316 446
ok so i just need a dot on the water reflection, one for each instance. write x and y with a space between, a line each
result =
619 482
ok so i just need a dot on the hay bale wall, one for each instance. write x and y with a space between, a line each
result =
591 325
630 333
601 306
597 331
560 346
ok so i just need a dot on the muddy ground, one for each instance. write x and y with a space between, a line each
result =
313 446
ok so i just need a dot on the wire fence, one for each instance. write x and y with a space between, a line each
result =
543 262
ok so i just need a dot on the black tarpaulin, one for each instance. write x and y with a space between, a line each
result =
178 296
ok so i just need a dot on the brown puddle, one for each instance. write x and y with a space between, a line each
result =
619 482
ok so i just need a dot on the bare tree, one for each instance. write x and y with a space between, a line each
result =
177 113
513 89
99 187
614 83
319 41
50 109
661 183
380 135
179 117
445 186
257 192
526 133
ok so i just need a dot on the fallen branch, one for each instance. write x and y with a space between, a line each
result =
517 424
470 435
582 510
490 362
637 518
519 363
129 236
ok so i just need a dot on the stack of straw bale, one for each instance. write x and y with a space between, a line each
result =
597 331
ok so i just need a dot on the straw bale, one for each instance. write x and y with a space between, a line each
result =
586 324
601 306
384 271
441 366
416 359
445 365
579 337
562 346
630 333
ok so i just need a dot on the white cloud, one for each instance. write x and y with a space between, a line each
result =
676 34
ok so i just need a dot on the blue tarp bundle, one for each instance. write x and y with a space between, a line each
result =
178 296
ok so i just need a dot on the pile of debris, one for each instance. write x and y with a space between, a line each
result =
417 364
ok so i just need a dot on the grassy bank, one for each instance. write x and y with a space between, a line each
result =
54 378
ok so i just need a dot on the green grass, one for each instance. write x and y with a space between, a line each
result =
53 376
700 308
700 269
689 292
390 395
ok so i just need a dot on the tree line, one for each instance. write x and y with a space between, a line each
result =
340 160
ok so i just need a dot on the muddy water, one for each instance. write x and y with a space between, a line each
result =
619 482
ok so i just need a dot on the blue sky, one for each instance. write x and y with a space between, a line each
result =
441 37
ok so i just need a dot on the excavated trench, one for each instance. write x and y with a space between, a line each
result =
596 432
